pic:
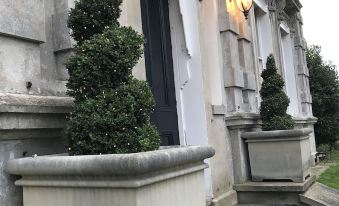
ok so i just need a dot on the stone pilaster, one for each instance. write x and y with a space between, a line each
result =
240 83
238 60
302 70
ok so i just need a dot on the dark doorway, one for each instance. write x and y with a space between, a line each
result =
159 68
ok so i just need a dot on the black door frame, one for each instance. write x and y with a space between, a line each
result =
165 116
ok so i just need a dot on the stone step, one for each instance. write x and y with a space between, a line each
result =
320 195
272 193
251 205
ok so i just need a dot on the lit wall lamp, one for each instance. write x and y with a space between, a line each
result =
245 6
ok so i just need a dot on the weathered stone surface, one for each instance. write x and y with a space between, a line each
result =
275 186
61 33
19 63
23 19
140 179
10 195
20 103
276 134
229 198
320 195
272 193
29 125
280 155
237 124
115 164
62 72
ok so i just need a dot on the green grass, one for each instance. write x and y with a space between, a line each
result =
331 176
334 156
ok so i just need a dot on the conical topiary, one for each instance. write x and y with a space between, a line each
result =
112 109
274 100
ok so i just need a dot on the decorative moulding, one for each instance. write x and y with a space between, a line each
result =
243 121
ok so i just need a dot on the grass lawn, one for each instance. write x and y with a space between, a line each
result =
331 176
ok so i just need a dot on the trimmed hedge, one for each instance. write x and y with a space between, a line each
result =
112 109
274 100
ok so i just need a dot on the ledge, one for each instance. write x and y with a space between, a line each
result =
22 103
309 120
275 186
106 182
243 120
30 133
218 110
109 165
285 134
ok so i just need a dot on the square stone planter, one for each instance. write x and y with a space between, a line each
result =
280 155
167 177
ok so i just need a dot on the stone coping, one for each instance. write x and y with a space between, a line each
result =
112 164
23 103
307 120
286 134
275 186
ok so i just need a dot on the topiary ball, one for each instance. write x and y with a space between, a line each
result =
105 61
274 100
117 121
90 17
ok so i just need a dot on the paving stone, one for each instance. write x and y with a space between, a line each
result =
320 195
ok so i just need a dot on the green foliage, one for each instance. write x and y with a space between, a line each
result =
112 109
330 177
324 85
117 121
274 100
104 61
325 148
90 17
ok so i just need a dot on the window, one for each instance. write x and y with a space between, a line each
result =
263 33
289 71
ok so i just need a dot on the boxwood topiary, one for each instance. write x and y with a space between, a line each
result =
112 109
274 100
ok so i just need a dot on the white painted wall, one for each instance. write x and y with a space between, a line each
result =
289 73
188 76
212 59
188 72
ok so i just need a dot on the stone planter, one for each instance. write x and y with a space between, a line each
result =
279 155
167 177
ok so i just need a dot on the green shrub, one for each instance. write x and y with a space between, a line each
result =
324 86
90 17
325 148
112 109
103 62
274 100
